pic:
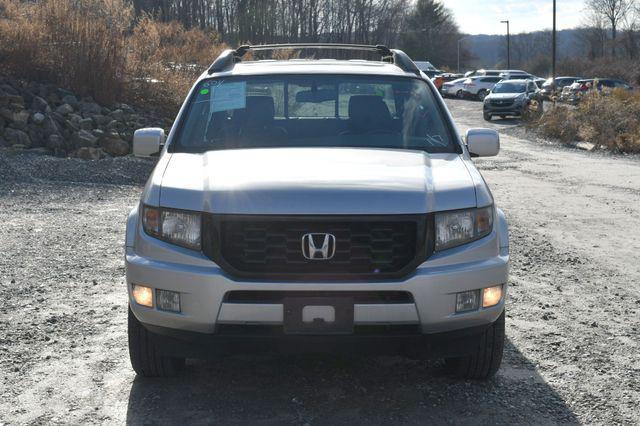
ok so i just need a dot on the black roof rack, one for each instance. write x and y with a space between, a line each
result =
229 57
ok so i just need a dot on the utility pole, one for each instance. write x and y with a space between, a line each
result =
463 38
508 45
553 50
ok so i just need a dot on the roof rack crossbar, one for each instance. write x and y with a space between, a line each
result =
229 57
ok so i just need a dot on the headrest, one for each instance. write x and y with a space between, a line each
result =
259 111
369 112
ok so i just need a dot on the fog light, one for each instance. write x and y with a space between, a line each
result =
168 300
467 301
142 295
491 296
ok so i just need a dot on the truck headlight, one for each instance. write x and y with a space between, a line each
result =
459 227
177 227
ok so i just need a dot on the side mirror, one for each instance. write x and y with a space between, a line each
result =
147 142
482 142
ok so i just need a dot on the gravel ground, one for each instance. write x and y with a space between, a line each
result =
572 323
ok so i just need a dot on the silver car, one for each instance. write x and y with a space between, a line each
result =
454 88
479 87
316 205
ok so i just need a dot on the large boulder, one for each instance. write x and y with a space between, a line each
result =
4 99
85 124
50 126
55 142
15 100
115 126
64 109
113 145
37 137
17 137
75 120
16 119
40 104
6 114
88 153
117 115
124 107
89 108
38 118
71 100
84 138
9 89
101 120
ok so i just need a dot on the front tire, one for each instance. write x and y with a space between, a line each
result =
460 94
482 94
485 361
146 359
486 116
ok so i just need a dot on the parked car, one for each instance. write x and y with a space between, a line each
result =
313 218
574 92
612 83
482 73
438 81
424 65
450 76
511 98
454 88
560 83
479 87
432 73
513 74
538 81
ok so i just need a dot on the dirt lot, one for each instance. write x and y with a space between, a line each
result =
573 319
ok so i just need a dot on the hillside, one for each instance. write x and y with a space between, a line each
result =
488 50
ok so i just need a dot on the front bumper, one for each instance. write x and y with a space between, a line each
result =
256 339
203 287
513 109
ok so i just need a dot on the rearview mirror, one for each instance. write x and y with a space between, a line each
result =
316 96
147 142
482 142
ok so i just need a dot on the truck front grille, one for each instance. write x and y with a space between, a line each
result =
502 102
272 247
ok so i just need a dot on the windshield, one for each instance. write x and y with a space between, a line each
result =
313 111
509 88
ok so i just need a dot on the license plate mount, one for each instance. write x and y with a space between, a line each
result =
318 315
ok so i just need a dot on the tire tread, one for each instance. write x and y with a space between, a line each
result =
485 362
146 359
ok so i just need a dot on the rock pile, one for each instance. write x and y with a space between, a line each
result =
56 121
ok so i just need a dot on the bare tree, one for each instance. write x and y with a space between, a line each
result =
264 21
615 12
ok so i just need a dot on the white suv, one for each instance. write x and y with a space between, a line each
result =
479 87
515 74
316 205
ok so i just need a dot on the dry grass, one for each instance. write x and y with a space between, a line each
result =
96 48
610 119
165 59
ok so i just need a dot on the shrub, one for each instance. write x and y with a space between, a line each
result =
96 48
609 118
79 44
164 60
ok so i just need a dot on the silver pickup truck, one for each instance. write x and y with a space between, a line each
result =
316 205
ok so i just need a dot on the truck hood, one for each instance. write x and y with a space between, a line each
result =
316 181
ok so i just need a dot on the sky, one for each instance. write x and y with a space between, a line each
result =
484 16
